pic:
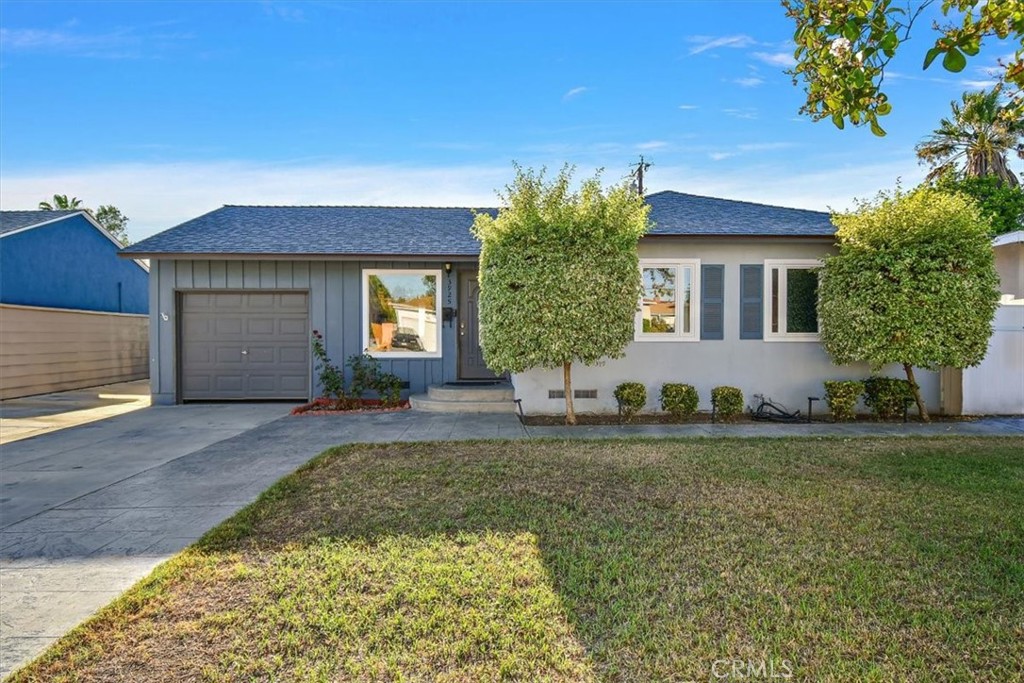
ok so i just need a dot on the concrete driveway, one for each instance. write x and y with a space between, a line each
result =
86 512
21 418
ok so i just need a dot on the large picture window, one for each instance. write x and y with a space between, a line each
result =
791 300
401 313
668 305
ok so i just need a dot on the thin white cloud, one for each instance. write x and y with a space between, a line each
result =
705 43
687 107
980 85
574 93
123 43
818 189
719 156
783 59
283 11
748 82
747 113
652 144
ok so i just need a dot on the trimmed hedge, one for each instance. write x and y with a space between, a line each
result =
679 399
728 401
886 396
842 396
632 397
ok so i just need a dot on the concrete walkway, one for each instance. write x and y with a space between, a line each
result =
88 511
21 418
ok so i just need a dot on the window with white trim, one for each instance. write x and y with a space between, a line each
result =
668 309
791 300
401 313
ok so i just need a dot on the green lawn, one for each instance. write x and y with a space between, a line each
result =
887 559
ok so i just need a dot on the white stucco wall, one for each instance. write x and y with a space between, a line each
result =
1010 266
787 371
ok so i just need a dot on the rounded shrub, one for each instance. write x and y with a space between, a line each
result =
389 388
886 396
842 396
728 401
632 397
679 399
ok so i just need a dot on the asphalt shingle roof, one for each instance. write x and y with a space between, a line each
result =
386 230
16 220
676 213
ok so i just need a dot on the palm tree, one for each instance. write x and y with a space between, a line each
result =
979 135
61 202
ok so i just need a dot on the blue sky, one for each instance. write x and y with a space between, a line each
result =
169 110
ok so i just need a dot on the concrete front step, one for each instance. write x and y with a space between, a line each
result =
472 393
427 404
466 398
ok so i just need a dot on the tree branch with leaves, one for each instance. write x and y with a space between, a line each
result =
844 46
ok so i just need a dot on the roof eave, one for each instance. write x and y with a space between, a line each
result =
317 256
736 235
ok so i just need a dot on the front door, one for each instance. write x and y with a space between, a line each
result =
471 358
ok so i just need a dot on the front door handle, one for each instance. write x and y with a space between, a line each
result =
245 352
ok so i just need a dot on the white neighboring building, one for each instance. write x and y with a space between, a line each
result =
996 387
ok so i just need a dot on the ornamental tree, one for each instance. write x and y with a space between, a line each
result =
559 274
914 283
844 46
1001 203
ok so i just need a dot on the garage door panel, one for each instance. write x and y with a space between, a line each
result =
196 354
228 355
264 302
262 355
292 327
294 382
197 326
293 355
294 302
262 383
260 327
196 303
228 326
227 301
196 384
228 384
272 327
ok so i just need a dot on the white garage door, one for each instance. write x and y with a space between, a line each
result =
244 345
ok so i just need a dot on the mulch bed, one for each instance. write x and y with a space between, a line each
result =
328 406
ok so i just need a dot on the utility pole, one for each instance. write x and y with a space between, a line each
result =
638 173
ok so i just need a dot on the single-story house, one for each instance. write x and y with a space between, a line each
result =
236 293
73 314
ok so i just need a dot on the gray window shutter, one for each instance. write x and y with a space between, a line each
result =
752 302
712 302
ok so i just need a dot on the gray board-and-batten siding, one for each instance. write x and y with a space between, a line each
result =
335 306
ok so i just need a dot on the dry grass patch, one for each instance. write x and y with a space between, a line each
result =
890 559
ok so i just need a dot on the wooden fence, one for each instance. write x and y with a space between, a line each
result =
51 349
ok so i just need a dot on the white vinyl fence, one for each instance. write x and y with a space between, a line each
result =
996 387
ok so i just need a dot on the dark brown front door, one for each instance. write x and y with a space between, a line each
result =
471 359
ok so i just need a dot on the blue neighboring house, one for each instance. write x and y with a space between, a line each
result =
72 313
64 259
